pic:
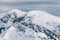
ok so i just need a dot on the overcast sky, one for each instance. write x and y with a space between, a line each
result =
25 0
51 6
16 0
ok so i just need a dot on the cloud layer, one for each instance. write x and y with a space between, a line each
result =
25 0
52 6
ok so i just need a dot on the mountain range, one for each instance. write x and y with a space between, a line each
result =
32 25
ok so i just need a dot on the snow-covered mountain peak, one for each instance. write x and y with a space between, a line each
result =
44 19
43 15
19 13
35 25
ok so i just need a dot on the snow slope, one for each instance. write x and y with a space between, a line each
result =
18 13
32 25
45 19
16 33
6 20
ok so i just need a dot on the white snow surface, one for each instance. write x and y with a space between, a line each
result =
19 13
21 32
43 18
14 34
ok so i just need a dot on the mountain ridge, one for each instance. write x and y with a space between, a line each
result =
35 22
